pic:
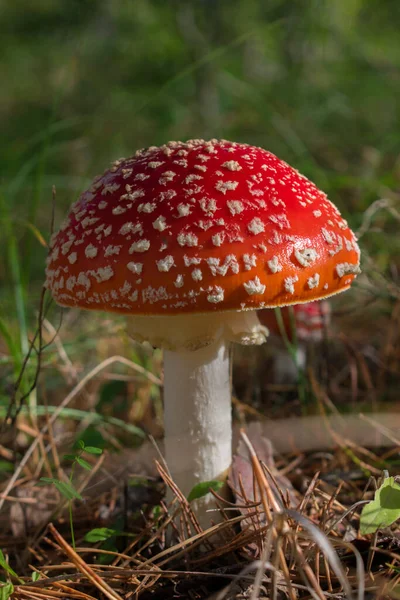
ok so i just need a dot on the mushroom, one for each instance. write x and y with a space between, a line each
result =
189 239
311 322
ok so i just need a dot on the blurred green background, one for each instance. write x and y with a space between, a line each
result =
84 82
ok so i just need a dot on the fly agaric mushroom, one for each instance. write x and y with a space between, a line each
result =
311 322
189 240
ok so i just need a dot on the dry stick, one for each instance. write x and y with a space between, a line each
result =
47 449
389 553
32 347
329 506
291 466
83 567
309 491
87 550
72 373
307 573
345 513
59 584
42 455
276 484
239 543
324 519
327 549
160 454
44 594
69 367
328 574
244 575
32 594
360 570
274 573
316 566
263 482
103 365
170 574
57 463
187 512
110 572
37 553
256 522
35 592
304 502
193 541
258 512
20 500
152 578
149 542
73 593
125 557
371 554
264 560
267 495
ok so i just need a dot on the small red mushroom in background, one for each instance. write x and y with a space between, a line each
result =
189 240
312 320
303 324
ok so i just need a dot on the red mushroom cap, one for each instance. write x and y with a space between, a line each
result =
311 320
200 226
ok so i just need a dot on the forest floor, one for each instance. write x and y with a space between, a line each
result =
83 510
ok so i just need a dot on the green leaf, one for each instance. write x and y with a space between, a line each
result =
6 466
157 512
384 508
93 450
35 576
81 444
92 436
6 566
47 480
106 559
100 535
69 456
138 482
113 394
67 490
203 488
6 591
83 463
109 545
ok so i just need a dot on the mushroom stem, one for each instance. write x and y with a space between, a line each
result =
198 420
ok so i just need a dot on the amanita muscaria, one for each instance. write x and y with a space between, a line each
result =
189 239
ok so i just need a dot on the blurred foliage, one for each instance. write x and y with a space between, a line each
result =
85 81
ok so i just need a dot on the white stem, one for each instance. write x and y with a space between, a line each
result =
198 421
